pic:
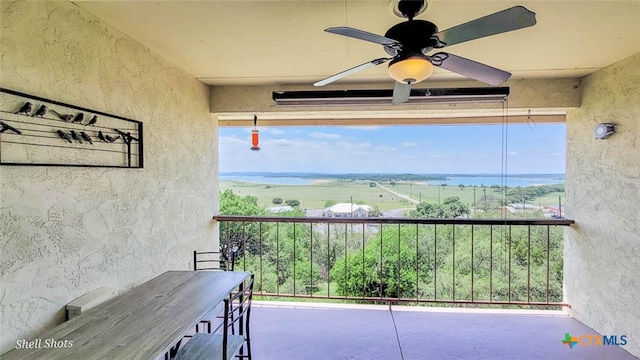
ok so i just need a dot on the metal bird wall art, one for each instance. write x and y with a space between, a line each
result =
110 139
25 109
78 118
126 136
93 121
8 127
63 117
41 112
86 137
65 136
76 136
32 124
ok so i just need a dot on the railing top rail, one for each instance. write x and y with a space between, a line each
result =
383 220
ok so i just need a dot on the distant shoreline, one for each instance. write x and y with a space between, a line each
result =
293 179
386 176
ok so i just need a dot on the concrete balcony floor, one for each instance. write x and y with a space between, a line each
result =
293 331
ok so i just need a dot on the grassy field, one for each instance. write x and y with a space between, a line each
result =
316 196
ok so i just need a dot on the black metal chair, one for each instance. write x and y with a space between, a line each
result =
237 313
213 261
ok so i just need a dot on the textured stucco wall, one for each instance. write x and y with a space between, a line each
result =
602 251
67 231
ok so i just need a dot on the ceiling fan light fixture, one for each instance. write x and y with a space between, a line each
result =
410 70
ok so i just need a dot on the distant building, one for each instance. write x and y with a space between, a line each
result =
347 210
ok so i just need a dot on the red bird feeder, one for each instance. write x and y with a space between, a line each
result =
255 135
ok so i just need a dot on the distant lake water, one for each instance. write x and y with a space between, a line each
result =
269 180
453 181
497 180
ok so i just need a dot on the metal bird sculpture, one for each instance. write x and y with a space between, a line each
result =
86 137
93 120
78 118
65 136
66 117
25 109
101 136
126 137
110 139
6 127
42 110
75 136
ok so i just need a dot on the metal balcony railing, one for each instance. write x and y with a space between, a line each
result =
453 261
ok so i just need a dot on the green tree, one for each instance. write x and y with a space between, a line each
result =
292 203
375 212
451 207
244 236
386 267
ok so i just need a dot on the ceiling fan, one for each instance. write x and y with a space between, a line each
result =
408 44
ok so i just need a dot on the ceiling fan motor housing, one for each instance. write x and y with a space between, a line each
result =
415 36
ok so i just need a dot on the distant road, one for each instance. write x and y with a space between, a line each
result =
406 197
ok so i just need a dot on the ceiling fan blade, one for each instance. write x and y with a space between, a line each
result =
401 93
353 70
470 68
514 18
363 35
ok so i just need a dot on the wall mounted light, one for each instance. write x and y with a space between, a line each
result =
255 135
604 130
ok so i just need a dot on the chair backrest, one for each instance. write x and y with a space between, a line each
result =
214 260
237 312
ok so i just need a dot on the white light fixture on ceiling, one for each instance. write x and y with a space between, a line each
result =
410 70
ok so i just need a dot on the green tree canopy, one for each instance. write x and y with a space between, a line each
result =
243 236
451 207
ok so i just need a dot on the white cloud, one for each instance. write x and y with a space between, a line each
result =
274 131
321 135
364 128
410 144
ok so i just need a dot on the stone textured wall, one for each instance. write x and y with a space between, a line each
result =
67 231
602 251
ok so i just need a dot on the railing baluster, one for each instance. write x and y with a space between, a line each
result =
346 268
244 246
311 256
261 256
529 263
364 290
548 258
453 251
472 268
398 263
417 265
295 258
490 263
380 294
509 266
278 258
328 260
435 262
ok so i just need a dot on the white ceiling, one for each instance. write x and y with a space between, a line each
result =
251 42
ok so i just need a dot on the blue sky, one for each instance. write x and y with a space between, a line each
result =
460 149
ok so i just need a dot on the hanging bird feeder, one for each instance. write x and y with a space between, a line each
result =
255 135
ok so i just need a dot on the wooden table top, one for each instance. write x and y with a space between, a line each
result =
142 323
